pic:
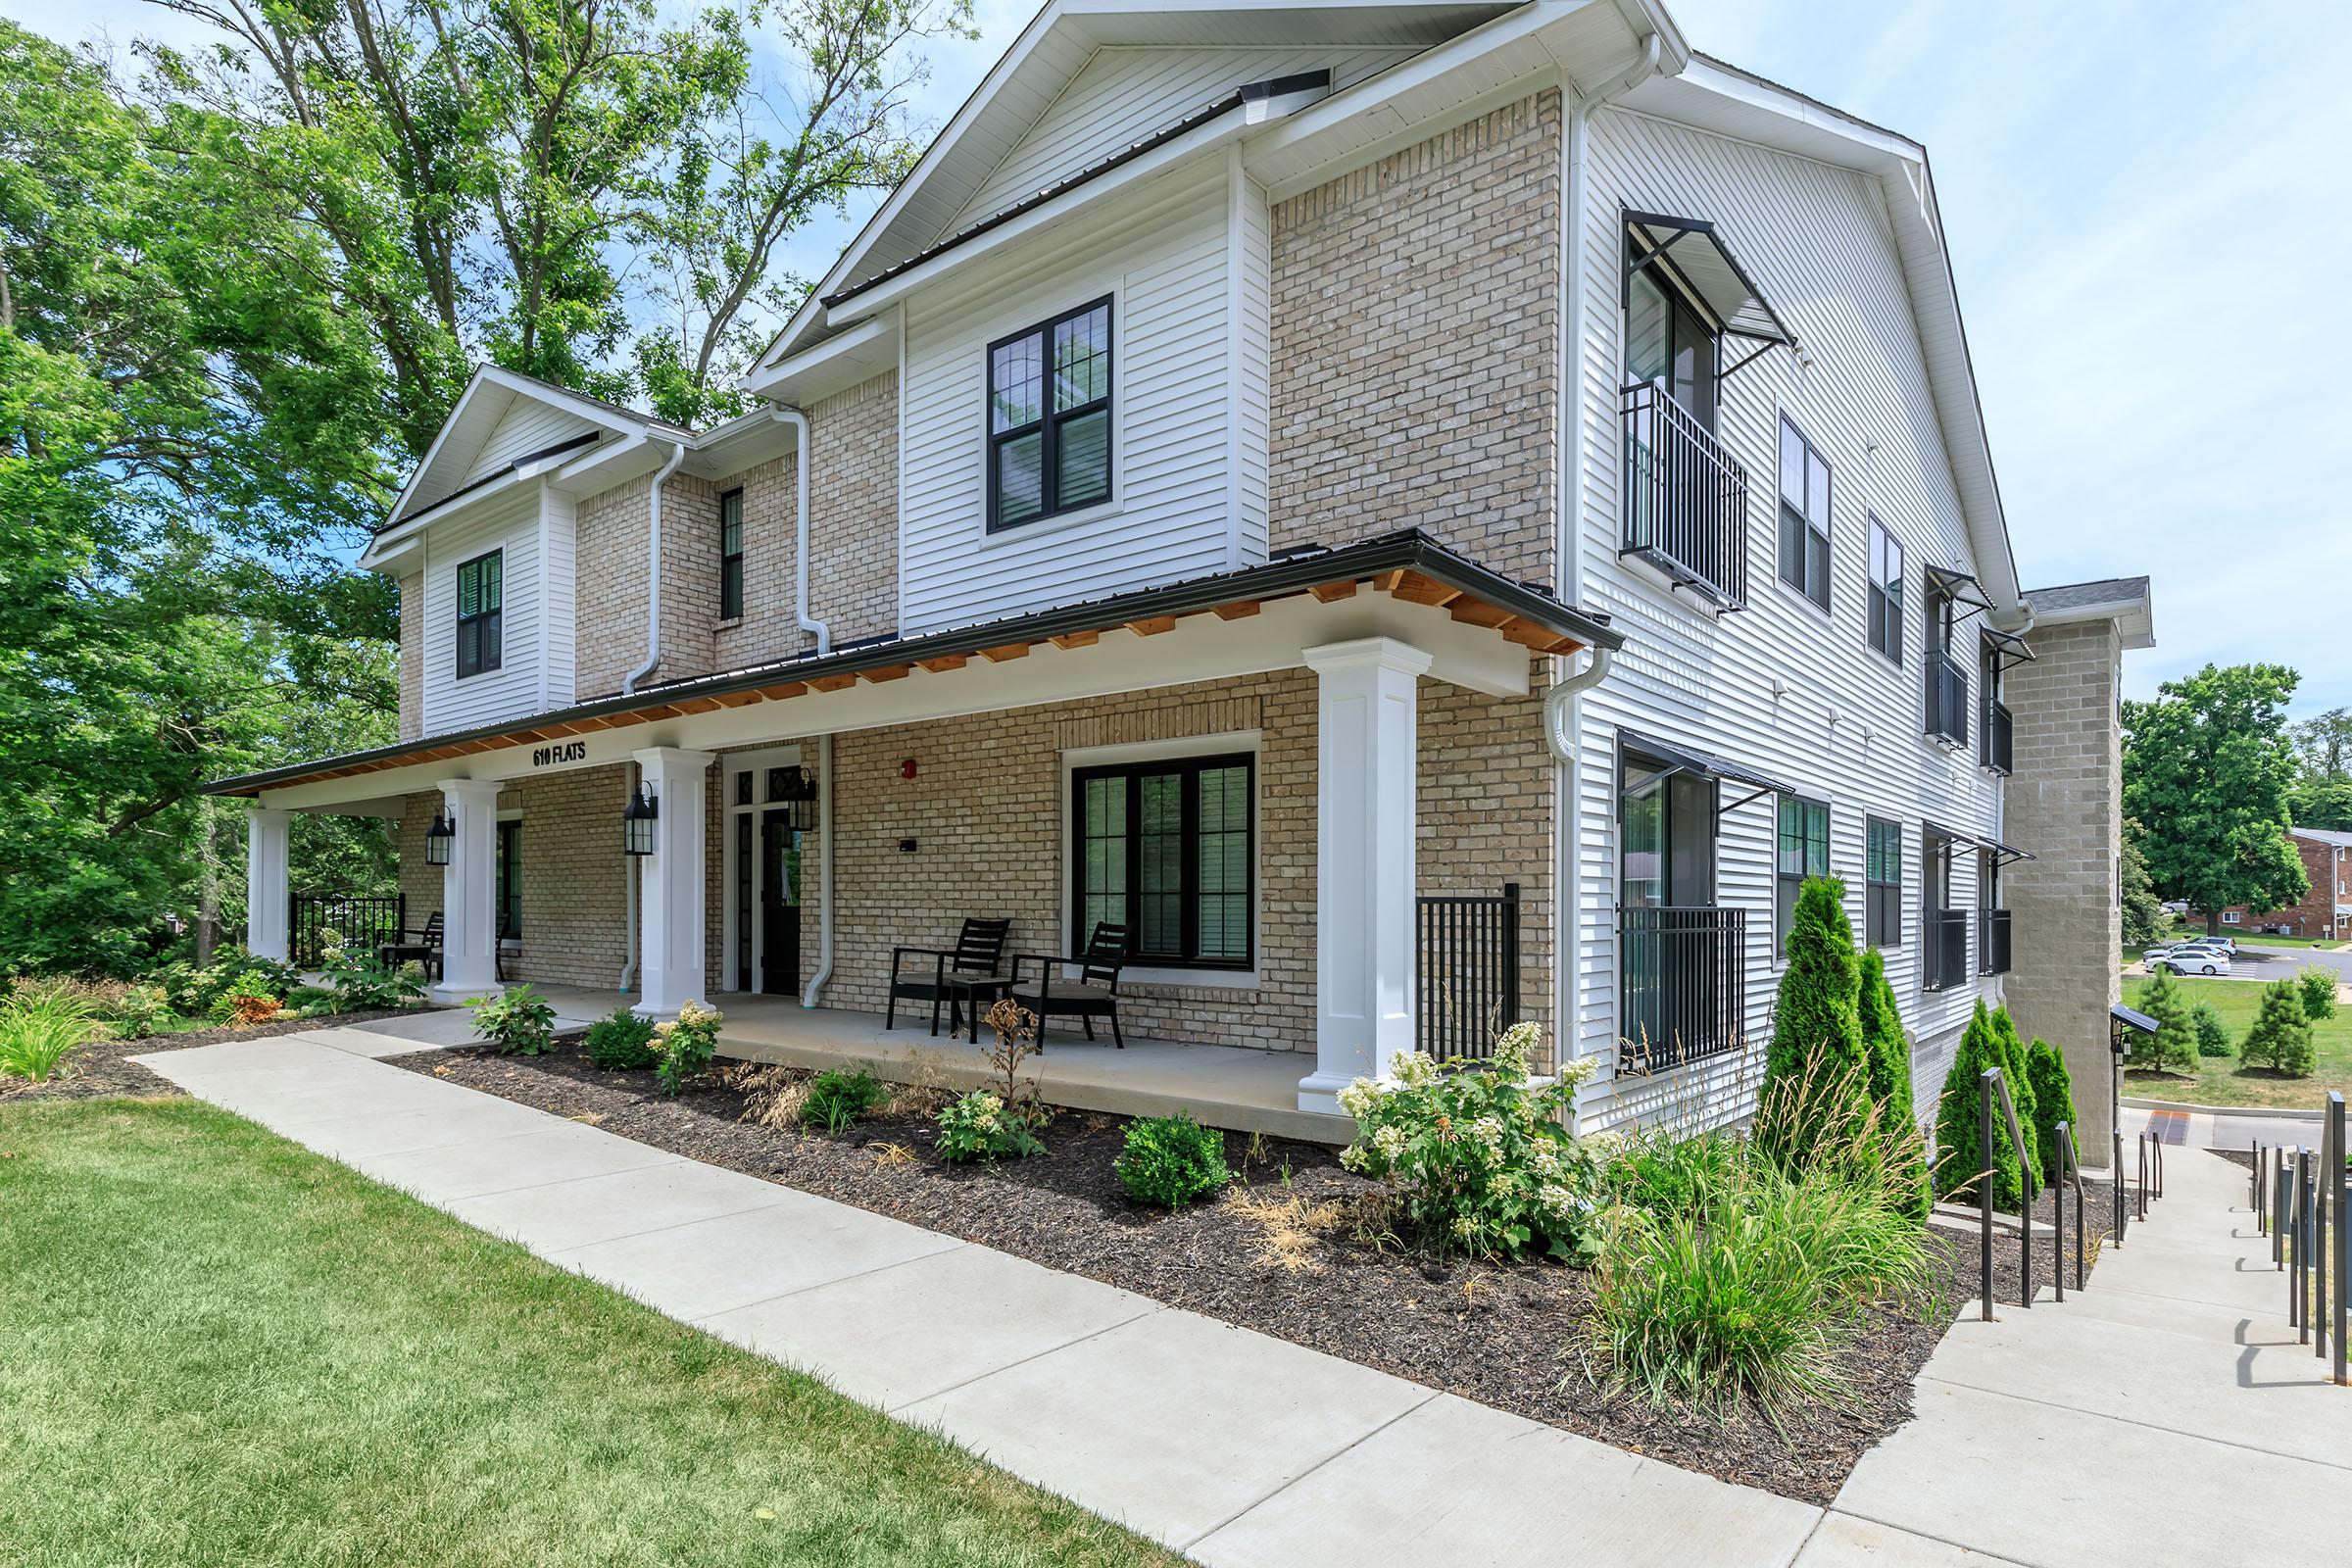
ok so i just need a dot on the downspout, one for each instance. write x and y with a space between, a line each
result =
629 687
628 882
814 989
1559 719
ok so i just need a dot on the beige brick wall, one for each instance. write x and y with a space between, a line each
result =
422 883
412 655
574 878
854 509
2065 806
766 629
1414 311
612 591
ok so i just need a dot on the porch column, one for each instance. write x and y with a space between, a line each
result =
267 858
1367 752
469 893
669 900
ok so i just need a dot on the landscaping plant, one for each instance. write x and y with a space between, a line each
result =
2281 1038
520 1022
687 1044
1959 1123
2176 1040
39 1030
2316 984
1817 1020
1654 1170
1478 1155
2213 1035
622 1043
361 981
838 1097
140 1012
2053 1102
1168 1161
2017 1074
982 1126
1887 1052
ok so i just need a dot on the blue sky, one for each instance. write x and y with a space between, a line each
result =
2150 210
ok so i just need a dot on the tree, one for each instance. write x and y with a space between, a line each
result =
2053 1102
2017 1075
2208 767
2213 1035
2176 1040
1816 1030
2315 984
2281 1038
2144 921
1960 1122
1888 1055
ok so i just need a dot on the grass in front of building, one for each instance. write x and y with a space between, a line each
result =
224 1349
2228 1080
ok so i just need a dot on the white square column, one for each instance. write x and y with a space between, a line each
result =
268 856
469 893
669 900
1367 749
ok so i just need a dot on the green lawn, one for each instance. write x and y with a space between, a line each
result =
2228 1081
222 1348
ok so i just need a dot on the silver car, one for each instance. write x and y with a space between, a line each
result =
2188 957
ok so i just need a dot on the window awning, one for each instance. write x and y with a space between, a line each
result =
1696 255
1691 759
1958 586
2003 854
2008 648
1953 838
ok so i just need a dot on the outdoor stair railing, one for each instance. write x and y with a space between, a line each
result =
1995 1090
2300 1200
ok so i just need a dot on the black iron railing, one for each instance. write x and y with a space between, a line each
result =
1685 499
1467 980
364 920
1947 698
1997 749
1992 941
1944 949
1685 985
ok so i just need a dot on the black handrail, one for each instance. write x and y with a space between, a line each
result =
2070 1167
1467 977
1685 499
366 921
1993 1088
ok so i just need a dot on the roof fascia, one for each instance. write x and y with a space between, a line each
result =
771 380
474 383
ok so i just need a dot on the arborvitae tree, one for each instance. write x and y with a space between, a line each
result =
2213 1035
1959 1121
2281 1038
1887 1054
1816 1029
2020 1081
2053 1102
2175 1042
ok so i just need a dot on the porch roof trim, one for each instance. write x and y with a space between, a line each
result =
1408 565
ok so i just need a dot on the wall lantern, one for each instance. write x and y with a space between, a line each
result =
440 838
637 819
795 788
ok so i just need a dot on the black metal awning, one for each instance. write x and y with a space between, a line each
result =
2007 649
1694 255
2003 854
1953 838
1691 759
2128 1018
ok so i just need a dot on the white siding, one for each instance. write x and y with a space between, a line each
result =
511 691
1777 686
559 555
1124 95
1250 296
1161 253
527 427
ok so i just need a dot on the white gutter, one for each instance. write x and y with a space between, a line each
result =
628 882
823 634
652 569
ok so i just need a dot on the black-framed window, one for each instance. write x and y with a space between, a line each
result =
1804 516
1668 342
1882 882
1805 851
510 878
482 621
730 555
1169 848
1886 591
1048 417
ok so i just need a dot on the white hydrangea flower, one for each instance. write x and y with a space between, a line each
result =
1555 1199
1354 1157
1416 1069
1390 1142
1360 1097
1463 1225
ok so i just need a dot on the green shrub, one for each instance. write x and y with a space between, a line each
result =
520 1022
981 1126
1168 1161
1959 1121
622 1043
361 981
2317 984
2016 1073
140 1012
838 1097
39 1030
1652 1169
1886 1053
1479 1156
2053 1102
2281 1038
2175 1042
1816 1027
2213 1035
688 1043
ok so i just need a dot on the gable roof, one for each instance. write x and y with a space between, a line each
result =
490 395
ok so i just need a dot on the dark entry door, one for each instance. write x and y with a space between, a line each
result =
779 904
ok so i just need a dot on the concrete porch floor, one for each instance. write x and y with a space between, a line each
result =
1222 1086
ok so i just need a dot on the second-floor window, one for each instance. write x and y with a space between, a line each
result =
1886 591
482 621
1805 851
1048 417
1804 516
730 555
1883 876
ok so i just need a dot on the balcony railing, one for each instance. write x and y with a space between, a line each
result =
1685 499
1467 977
1685 985
1998 747
1944 949
1992 941
1947 698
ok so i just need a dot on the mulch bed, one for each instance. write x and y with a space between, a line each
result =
1508 1337
104 1067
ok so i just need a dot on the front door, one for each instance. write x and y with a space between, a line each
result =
779 904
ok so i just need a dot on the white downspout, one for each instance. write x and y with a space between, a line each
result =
628 882
814 989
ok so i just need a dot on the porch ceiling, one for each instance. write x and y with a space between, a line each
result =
1234 622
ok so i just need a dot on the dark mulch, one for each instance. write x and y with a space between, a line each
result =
104 1067
1507 1337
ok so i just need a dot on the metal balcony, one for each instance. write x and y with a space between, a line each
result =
1948 700
1943 950
1686 500
1684 973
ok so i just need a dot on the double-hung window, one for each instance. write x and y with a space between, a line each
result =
1804 516
1882 877
1804 852
481 623
1048 417
1168 849
1886 592
730 555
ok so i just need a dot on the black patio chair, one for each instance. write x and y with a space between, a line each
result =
953 975
419 943
1094 994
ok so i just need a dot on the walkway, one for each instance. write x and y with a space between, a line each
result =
2156 1418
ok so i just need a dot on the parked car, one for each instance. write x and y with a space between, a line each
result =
2188 957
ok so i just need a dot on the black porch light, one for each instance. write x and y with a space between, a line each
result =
795 788
637 819
440 838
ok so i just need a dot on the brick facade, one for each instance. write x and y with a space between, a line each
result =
611 588
854 509
1415 307
2314 915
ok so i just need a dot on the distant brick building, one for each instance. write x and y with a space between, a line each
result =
2326 910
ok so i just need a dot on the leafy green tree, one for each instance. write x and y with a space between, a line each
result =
1960 1122
2281 1038
2314 983
1816 1029
2175 1043
2053 1102
1887 1054
2210 767
2144 921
